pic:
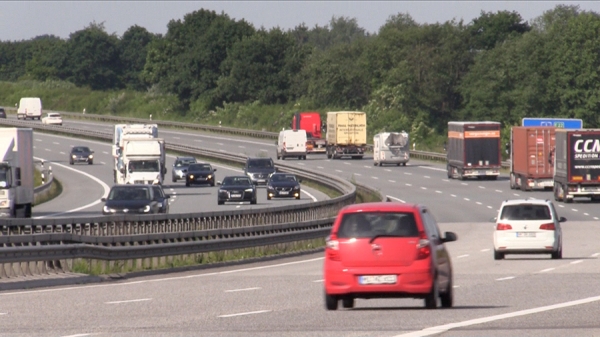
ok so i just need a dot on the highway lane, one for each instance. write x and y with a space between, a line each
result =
285 298
84 184
420 181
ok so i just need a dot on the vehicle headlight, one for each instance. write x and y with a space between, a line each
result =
209 176
248 190
91 156
191 176
74 156
108 210
146 209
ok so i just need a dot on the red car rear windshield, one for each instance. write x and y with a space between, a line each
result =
367 225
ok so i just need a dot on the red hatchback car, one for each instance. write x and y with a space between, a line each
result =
387 250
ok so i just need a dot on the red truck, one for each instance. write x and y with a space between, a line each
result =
474 150
311 123
531 151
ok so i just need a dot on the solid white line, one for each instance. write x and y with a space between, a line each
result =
245 289
545 270
394 198
246 313
310 195
485 250
130 301
505 278
461 256
576 262
317 281
104 186
443 328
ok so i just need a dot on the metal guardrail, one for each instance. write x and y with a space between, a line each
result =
30 246
41 191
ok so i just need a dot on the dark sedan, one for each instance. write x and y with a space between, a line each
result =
161 198
130 199
283 185
200 174
81 154
236 188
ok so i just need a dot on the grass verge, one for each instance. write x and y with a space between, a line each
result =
54 191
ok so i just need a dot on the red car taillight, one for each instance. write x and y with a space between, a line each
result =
503 227
332 248
423 249
548 226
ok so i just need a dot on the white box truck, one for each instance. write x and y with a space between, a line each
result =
30 107
142 161
16 172
391 148
291 143
129 131
346 134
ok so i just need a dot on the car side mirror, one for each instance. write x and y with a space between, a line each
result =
562 219
167 196
449 237
103 199
299 180
214 170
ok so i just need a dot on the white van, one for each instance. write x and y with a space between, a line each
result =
391 148
30 107
291 143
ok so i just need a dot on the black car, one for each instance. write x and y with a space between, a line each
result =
130 199
236 188
283 185
202 173
180 167
2 113
259 170
81 154
161 198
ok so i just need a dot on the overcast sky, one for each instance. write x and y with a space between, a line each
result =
23 20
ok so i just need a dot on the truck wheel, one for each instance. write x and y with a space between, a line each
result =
565 194
512 181
403 164
556 198
524 186
449 169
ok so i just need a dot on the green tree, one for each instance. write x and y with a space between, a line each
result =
133 47
490 28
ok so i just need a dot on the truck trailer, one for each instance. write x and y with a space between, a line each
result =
391 148
577 164
16 172
474 150
311 123
346 134
530 164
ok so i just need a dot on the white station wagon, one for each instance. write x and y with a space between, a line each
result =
52 118
527 226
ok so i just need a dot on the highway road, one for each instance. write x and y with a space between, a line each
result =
84 184
522 295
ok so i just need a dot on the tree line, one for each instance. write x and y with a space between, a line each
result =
407 76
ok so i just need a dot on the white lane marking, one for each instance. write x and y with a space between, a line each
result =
369 167
409 174
485 250
200 141
105 152
408 184
561 206
161 279
394 198
478 203
301 164
482 187
263 150
499 191
464 184
392 181
241 146
130 301
443 328
358 174
320 167
445 180
339 171
489 207
309 195
38 140
245 313
3 313
219 144
595 254
516 194
238 206
455 286
388 170
48 150
576 262
244 289
104 186
317 281
574 210
176 137
585 214
467 199
424 188
374 177
428 177
81 335
505 278
461 256
452 195
438 192
62 152
546 270
434 168
221 150
56 143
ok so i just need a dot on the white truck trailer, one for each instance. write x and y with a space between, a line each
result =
16 172
391 148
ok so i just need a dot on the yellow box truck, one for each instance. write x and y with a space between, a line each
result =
346 134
